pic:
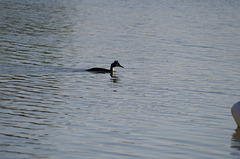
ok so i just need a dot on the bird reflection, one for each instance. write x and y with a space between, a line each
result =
236 141
114 78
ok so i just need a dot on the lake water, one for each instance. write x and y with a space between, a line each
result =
172 99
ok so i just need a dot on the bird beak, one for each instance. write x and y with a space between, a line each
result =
121 66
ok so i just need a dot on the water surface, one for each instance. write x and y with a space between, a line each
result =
172 99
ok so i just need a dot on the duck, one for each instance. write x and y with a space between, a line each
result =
103 70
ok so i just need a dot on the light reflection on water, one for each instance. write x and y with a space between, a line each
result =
172 99
236 142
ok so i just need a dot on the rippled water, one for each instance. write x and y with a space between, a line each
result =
172 99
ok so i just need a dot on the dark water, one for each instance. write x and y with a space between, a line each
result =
172 99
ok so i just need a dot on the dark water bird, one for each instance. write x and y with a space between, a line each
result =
103 70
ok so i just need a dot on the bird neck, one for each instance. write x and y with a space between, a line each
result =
111 69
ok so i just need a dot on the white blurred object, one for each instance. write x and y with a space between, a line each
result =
236 113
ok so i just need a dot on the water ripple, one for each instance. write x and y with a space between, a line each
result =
172 99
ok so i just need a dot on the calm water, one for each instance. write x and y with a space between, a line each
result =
172 99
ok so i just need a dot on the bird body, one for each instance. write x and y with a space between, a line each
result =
103 70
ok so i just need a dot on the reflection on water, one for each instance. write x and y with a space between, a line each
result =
33 33
235 144
115 79
29 105
173 100
29 96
